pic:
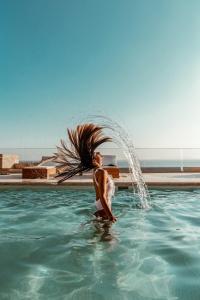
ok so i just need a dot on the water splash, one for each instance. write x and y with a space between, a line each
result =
122 139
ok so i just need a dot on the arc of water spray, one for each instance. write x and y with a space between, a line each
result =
122 139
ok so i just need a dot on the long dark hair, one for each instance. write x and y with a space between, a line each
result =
79 155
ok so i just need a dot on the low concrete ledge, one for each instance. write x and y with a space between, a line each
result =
126 170
161 169
173 184
165 170
38 172
157 185
191 169
158 170
112 170
152 180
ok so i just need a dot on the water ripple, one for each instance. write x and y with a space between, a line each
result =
51 247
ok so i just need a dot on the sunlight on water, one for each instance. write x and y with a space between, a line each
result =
51 248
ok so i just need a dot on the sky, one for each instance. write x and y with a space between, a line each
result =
135 61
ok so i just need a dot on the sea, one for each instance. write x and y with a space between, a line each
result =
148 157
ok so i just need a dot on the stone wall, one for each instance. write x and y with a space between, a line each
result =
8 160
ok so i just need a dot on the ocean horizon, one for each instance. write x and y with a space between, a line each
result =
148 157
148 163
162 163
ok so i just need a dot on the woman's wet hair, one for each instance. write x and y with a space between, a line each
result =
79 155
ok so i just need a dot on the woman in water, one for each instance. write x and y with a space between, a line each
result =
81 157
104 187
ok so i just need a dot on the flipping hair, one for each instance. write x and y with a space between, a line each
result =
79 155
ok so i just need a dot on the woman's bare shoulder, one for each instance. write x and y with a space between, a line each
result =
101 172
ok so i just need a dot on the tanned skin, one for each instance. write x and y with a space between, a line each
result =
101 190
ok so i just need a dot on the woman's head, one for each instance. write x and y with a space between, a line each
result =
98 159
80 155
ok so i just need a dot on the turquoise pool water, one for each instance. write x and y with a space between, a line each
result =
50 248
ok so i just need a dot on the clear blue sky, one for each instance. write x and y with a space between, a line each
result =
135 61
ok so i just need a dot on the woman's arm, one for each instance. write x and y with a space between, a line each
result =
102 178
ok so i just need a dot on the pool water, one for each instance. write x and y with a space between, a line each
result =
50 247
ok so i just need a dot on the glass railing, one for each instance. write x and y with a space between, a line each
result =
149 157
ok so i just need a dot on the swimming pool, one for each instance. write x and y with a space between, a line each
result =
50 248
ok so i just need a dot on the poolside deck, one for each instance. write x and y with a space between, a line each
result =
157 180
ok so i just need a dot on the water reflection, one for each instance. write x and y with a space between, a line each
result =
53 248
103 228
